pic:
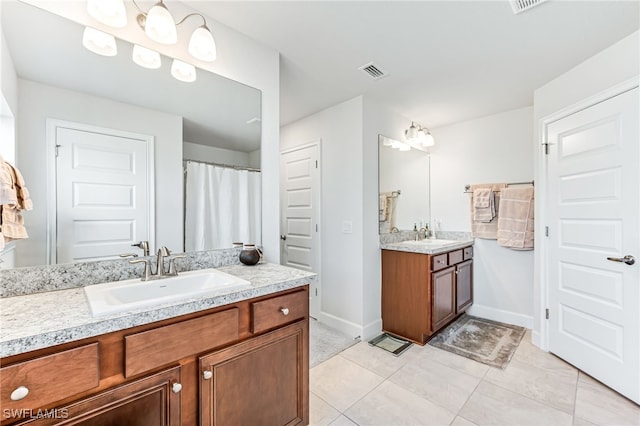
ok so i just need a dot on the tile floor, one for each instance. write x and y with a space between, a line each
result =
365 386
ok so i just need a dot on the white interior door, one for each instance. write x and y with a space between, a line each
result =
299 212
594 187
103 193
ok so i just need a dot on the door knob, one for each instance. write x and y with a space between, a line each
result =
283 237
628 259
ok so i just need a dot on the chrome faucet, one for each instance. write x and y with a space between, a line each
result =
144 245
160 272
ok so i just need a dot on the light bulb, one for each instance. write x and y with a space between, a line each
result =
108 12
202 45
99 42
411 133
428 140
159 25
183 71
146 58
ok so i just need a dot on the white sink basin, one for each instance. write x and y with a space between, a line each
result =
429 242
132 294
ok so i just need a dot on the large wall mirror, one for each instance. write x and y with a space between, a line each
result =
404 186
64 90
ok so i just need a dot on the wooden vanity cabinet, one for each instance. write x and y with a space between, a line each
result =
422 293
257 349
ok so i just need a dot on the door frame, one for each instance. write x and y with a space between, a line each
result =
51 171
542 183
317 198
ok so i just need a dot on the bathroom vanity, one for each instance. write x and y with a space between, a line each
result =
425 286
237 358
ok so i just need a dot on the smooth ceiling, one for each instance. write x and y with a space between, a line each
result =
448 61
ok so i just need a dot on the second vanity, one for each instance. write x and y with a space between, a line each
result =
426 284
237 358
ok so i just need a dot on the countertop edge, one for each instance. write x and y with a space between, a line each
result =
425 250
98 326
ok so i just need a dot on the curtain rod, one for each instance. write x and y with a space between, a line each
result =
530 182
228 166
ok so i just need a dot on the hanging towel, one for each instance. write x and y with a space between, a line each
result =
484 208
486 230
14 198
515 218
382 207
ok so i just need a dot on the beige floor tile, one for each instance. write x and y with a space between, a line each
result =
457 362
378 360
581 422
320 413
390 404
556 388
533 355
492 405
442 385
343 421
461 421
341 382
600 405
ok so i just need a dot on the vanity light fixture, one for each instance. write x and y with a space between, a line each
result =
146 58
99 42
159 26
183 71
419 134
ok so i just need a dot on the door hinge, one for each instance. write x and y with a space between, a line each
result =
316 227
546 148
546 231
316 164
316 292
546 313
58 149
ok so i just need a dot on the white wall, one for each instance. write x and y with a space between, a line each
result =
240 58
211 154
8 78
496 148
614 65
38 102
340 130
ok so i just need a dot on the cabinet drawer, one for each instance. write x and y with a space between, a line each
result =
154 348
439 261
468 253
50 378
276 311
455 257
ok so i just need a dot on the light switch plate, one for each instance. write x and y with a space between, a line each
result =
347 227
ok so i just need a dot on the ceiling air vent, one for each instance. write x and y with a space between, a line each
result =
373 71
522 5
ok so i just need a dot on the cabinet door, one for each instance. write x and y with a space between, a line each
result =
144 402
464 285
443 299
261 381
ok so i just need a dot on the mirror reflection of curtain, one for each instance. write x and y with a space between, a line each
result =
222 206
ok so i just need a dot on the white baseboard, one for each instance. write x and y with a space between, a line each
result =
347 327
371 330
501 315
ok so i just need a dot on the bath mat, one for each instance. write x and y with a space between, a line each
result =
390 344
489 342
325 342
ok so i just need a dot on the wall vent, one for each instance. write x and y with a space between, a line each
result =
373 71
522 5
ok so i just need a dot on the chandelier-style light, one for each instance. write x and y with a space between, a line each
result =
419 134
159 25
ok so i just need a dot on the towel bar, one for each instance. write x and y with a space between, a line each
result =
531 182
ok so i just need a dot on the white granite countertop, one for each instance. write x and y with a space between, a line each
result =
426 248
41 320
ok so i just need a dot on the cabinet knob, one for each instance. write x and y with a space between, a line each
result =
206 374
19 393
285 311
176 388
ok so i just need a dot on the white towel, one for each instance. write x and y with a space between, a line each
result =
486 230
383 208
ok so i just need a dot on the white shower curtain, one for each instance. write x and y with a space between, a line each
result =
222 206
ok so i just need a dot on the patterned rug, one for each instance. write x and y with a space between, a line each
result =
325 342
489 342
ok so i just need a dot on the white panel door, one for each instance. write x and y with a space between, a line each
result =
299 198
103 203
594 212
